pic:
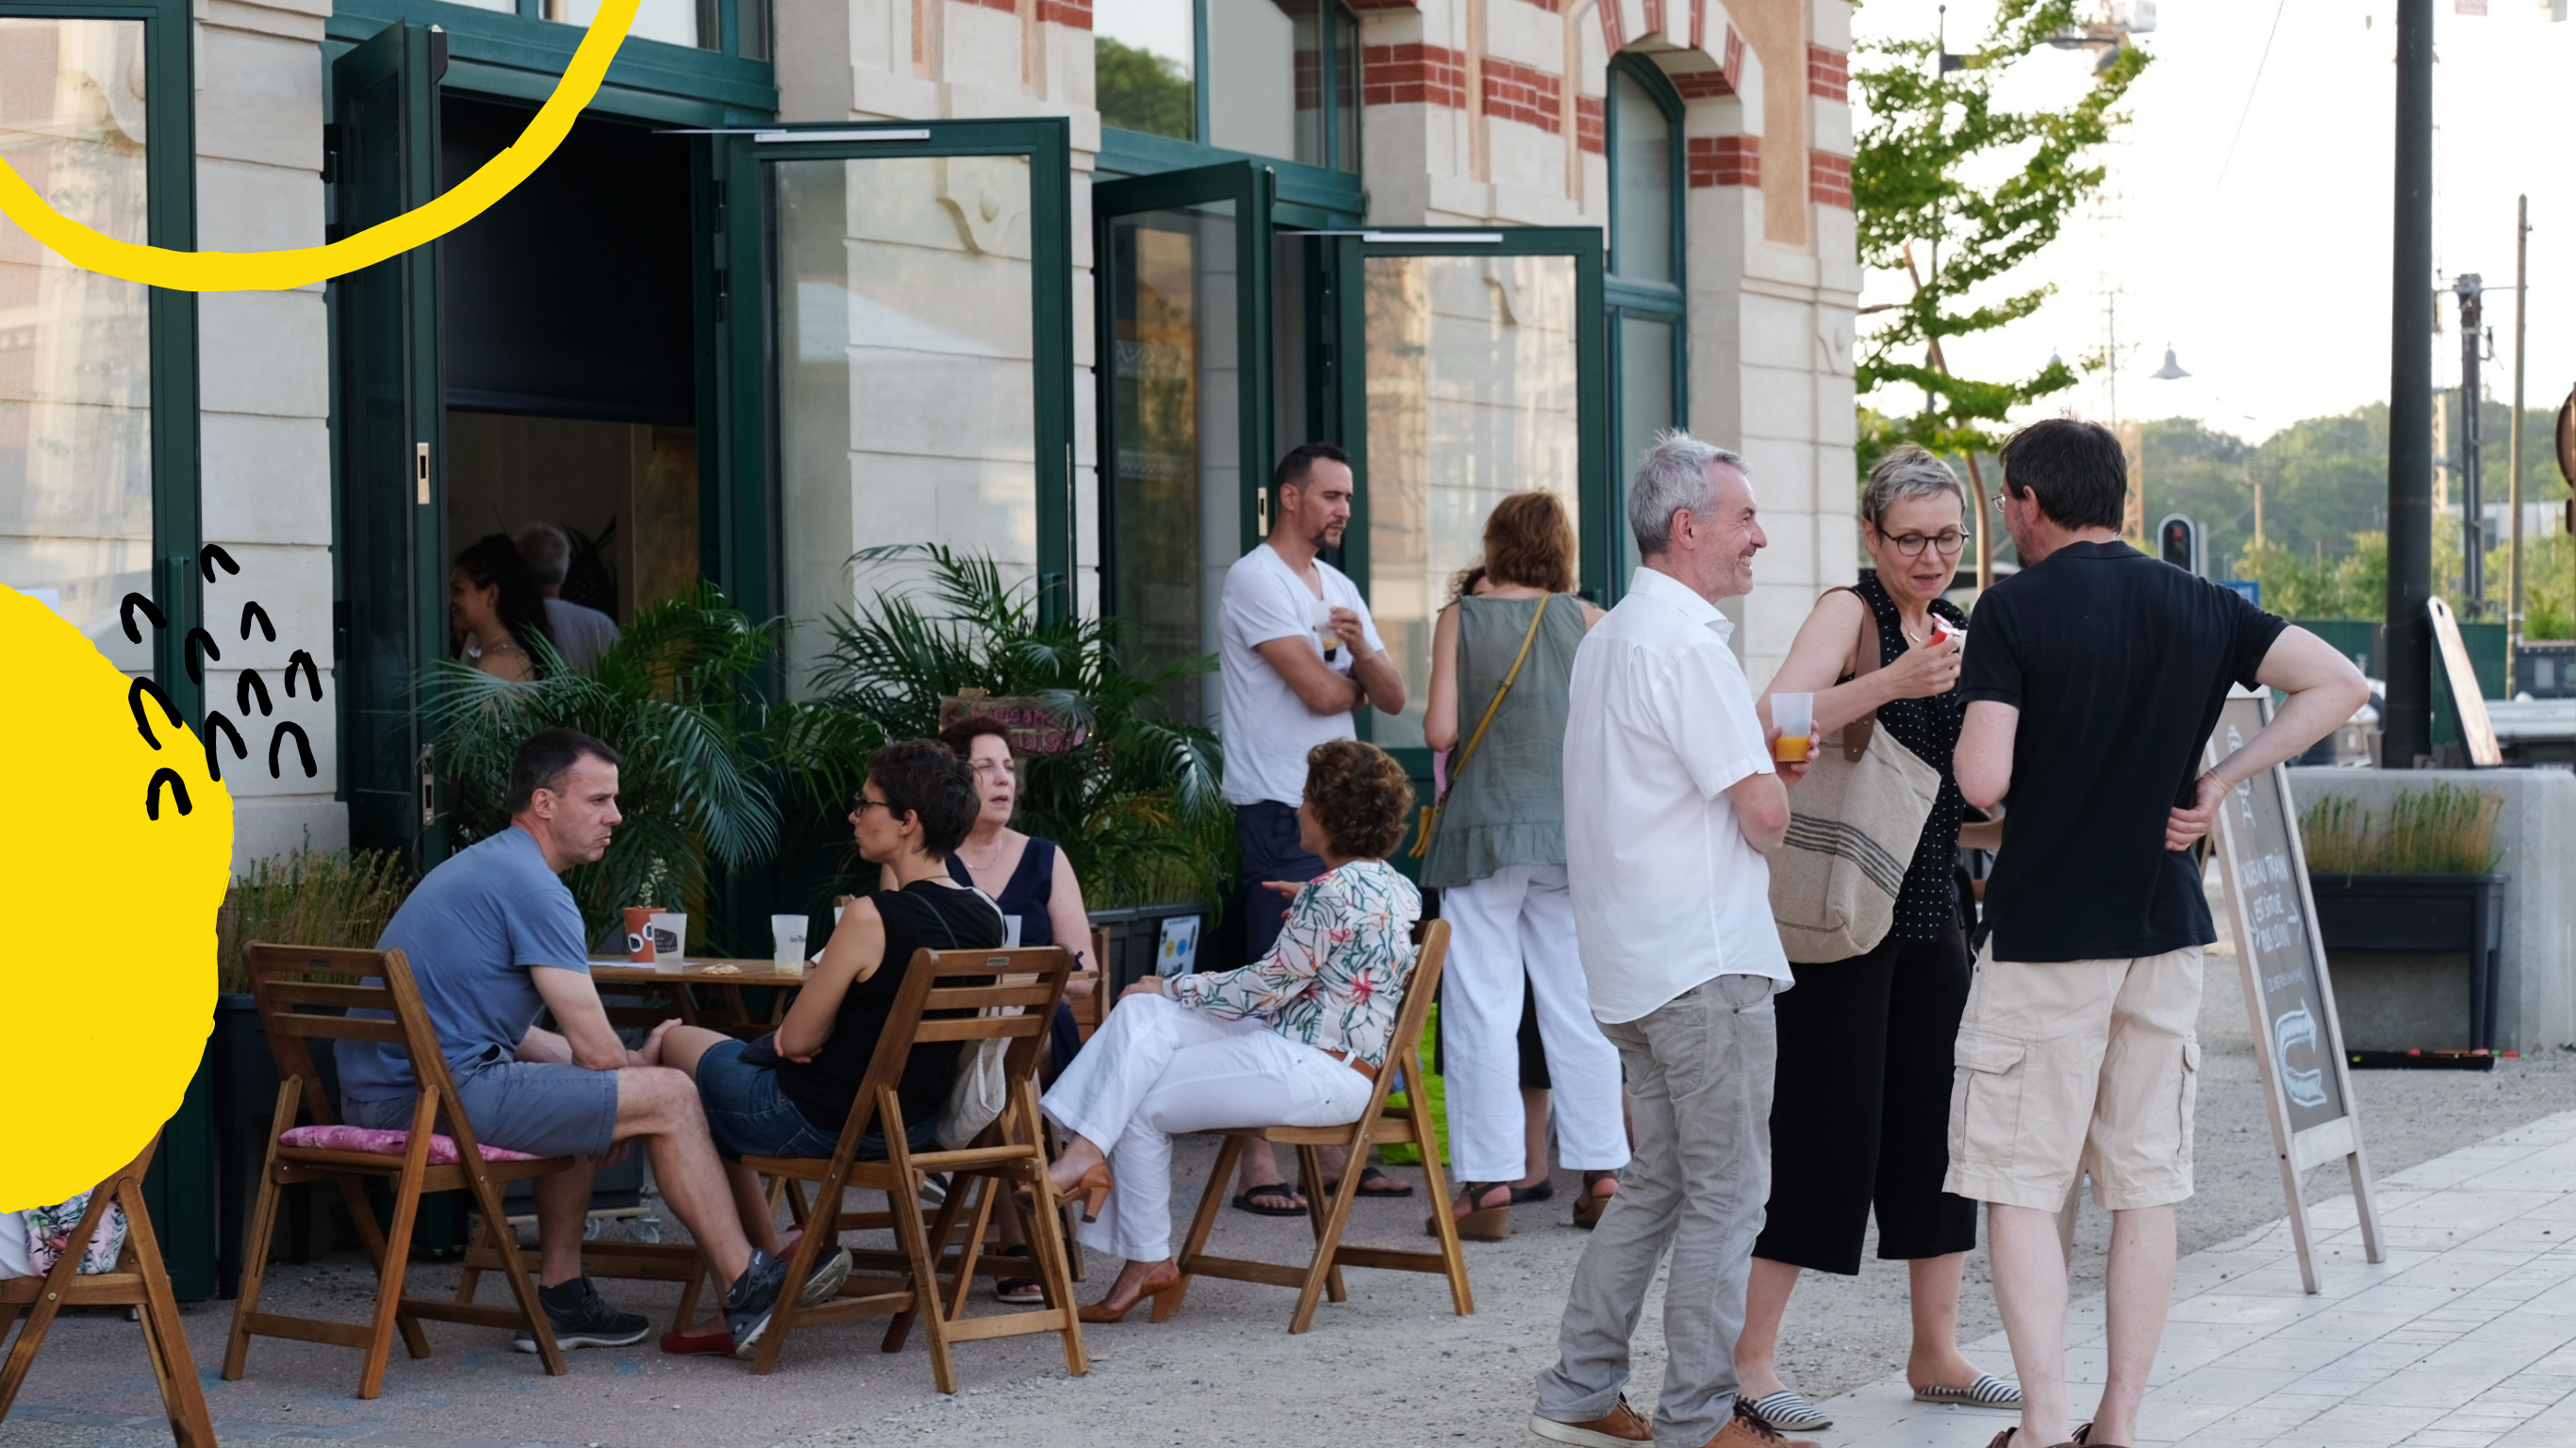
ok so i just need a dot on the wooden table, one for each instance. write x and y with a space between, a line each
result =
734 1017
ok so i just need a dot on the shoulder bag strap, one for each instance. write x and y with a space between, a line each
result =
1523 657
1856 734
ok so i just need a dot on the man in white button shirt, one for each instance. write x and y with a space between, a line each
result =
1671 801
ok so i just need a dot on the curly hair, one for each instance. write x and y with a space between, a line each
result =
961 734
923 778
1361 797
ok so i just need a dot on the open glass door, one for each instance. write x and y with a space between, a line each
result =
1479 371
1185 403
392 454
900 359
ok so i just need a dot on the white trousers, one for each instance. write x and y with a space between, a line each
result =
1157 1069
1516 924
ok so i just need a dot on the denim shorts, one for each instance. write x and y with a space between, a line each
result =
544 1108
751 1116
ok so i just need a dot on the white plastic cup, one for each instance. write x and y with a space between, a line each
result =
1795 717
787 937
1321 612
1010 932
670 941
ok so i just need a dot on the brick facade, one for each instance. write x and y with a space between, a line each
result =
1515 92
1589 130
1829 179
1414 73
1075 14
1828 74
1724 160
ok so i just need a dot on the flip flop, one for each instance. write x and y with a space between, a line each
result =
1374 1183
1788 1412
1988 1391
1252 1200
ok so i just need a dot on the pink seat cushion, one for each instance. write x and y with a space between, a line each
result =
442 1149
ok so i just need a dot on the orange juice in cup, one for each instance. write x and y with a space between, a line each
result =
1795 714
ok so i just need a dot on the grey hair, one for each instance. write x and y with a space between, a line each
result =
1674 475
1909 472
547 551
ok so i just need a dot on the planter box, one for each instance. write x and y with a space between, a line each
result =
2429 919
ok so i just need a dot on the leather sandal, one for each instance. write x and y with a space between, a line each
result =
1480 1223
1591 1204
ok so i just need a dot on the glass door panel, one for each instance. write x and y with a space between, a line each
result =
1184 405
907 376
1480 374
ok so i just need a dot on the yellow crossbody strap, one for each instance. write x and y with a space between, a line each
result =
1431 812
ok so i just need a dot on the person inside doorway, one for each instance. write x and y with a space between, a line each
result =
496 609
1298 656
581 633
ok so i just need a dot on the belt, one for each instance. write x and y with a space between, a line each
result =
1354 1062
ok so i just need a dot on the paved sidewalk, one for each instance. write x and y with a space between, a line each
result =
2463 1338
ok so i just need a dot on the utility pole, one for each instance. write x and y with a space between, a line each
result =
2473 520
2513 463
2408 732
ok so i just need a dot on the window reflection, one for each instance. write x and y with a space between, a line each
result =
1641 178
1144 64
75 346
1473 393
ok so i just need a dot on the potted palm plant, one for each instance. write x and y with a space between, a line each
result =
2418 877
1133 796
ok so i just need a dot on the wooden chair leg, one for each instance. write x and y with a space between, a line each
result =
1203 1221
970 1247
1435 1182
371 1236
522 1283
22 1355
1310 1170
164 1336
1325 1272
800 1265
263 1228
943 1230
1041 1230
389 1275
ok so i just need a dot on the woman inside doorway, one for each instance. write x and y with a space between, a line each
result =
497 609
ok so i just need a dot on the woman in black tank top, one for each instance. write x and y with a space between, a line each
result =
790 1093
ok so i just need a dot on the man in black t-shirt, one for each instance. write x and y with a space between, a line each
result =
2093 678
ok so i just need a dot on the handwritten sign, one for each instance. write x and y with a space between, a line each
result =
1032 727
2298 1043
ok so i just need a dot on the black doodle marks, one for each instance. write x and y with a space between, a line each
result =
250 693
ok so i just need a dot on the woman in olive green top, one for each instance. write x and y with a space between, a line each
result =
1497 857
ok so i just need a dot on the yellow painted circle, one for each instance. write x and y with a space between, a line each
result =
256 271
109 967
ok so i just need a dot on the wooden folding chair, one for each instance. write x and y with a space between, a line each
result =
1379 1125
281 979
138 1282
948 998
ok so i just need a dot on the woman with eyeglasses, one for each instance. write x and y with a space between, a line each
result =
1860 1111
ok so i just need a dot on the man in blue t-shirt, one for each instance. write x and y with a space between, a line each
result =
2093 679
493 939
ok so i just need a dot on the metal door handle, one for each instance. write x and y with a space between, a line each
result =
420 470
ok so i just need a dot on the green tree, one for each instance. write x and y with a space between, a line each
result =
1141 91
1923 190
2548 583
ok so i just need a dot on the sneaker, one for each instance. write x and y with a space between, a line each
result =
753 1297
1618 1428
580 1318
825 1282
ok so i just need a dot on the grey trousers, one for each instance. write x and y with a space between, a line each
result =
1699 1075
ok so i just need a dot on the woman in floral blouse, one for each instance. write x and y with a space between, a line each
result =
1293 1039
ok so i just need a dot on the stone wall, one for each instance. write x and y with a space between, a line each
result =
2394 1001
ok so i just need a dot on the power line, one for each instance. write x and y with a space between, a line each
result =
2250 92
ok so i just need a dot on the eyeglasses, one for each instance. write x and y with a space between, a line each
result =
1997 500
860 810
1949 540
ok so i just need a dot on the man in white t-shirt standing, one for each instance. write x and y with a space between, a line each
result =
1299 655
1671 802
581 633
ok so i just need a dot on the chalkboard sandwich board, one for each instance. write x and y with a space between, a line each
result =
2298 1043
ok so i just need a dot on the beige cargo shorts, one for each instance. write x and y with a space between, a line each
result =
2079 1066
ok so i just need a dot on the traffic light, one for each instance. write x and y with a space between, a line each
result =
2178 542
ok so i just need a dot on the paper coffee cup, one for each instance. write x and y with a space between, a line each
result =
670 931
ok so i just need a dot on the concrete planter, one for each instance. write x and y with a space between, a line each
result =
2400 1005
2395 1000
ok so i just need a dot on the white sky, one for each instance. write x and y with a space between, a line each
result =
2272 282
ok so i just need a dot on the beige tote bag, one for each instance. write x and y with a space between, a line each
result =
1853 825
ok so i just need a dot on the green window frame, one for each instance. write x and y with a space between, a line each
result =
1144 152
521 55
170 171
1652 300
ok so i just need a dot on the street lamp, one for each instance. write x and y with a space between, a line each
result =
2172 370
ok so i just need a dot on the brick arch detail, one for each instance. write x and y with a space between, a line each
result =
1694 42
